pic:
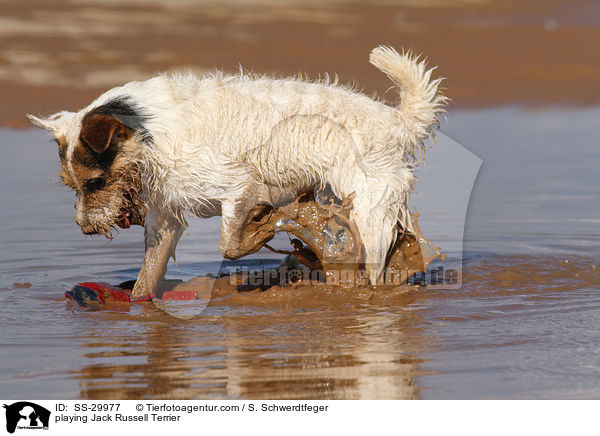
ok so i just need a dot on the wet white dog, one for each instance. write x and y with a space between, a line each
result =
149 152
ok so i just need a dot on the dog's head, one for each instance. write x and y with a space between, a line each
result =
97 149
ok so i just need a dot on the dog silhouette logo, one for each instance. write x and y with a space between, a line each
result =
26 415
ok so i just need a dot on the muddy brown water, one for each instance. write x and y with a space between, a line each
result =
333 243
524 323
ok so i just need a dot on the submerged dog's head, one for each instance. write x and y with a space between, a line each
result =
96 149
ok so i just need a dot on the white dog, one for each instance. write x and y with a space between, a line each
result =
149 152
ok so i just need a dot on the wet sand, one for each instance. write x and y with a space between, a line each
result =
61 55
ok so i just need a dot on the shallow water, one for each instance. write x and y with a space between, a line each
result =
524 324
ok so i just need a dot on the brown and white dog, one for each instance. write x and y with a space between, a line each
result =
148 153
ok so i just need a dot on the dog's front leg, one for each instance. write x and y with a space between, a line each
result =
161 237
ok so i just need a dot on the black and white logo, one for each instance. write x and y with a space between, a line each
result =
26 415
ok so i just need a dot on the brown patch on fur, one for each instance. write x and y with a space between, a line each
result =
62 146
64 174
66 177
100 131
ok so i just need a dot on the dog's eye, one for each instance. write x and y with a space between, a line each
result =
94 184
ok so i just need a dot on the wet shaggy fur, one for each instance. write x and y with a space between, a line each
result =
182 144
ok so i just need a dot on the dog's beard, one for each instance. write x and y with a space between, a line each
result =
124 207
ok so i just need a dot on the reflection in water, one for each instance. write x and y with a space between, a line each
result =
368 352
516 323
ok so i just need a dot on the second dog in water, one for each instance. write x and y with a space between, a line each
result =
150 152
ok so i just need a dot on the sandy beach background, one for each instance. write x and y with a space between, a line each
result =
60 54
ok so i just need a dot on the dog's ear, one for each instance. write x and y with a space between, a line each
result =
52 123
100 131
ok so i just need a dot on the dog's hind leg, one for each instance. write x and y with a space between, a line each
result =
234 216
375 213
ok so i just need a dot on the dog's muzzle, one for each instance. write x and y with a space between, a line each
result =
88 230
